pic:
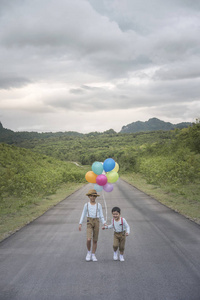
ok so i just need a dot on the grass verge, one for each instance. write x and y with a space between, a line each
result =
16 213
184 200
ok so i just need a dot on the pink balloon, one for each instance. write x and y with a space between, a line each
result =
101 179
108 187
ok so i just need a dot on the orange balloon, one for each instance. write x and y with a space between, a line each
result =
90 176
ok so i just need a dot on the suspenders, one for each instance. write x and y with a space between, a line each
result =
121 223
88 210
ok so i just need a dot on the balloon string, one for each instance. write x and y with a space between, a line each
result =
105 205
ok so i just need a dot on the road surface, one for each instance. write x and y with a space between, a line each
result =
45 260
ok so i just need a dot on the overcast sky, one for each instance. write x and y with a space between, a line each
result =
92 65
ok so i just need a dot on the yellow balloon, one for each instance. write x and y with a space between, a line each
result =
116 168
90 176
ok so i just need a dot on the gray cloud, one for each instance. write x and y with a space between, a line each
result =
76 91
98 56
180 71
12 81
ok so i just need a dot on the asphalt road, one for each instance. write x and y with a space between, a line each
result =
45 260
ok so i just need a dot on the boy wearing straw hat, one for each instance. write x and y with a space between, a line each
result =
94 212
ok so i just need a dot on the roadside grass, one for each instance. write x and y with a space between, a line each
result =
182 199
16 213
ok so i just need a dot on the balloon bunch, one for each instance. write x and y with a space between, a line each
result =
103 175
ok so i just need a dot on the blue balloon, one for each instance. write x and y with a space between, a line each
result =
109 164
98 188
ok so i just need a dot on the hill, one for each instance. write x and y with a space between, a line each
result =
11 137
26 173
152 125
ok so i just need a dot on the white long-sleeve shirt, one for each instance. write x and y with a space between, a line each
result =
118 227
92 211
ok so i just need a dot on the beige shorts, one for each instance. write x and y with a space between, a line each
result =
93 228
119 241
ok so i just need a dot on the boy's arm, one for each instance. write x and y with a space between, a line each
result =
84 212
101 214
127 227
107 226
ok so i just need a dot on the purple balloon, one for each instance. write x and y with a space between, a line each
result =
108 187
101 179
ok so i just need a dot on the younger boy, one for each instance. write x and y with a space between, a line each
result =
121 230
93 211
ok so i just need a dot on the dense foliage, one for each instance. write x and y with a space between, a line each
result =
162 157
97 147
25 173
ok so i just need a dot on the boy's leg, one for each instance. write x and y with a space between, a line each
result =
95 235
122 242
89 238
88 244
115 246
89 234
115 242
95 238
122 246
94 247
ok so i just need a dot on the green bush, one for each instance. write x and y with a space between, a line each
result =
182 167
25 173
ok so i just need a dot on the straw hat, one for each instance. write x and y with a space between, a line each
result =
92 192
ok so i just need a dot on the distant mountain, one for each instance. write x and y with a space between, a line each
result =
152 124
5 134
11 137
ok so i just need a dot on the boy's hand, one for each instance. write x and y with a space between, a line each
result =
127 234
104 226
80 226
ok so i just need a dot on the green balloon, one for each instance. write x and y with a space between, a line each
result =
112 176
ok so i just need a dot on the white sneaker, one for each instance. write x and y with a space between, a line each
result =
115 256
94 257
88 256
121 257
